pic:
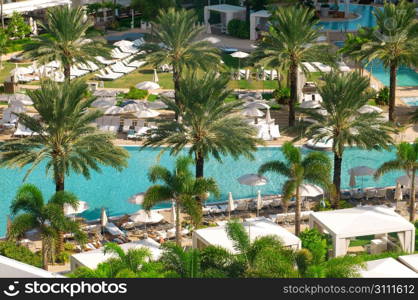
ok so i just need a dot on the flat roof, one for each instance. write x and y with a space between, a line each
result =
10 268
261 14
362 220
31 5
387 268
92 258
411 261
226 8
217 236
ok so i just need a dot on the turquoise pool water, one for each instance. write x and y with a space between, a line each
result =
111 189
411 101
365 19
405 76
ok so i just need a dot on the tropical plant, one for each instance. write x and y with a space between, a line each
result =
135 93
20 253
185 263
382 97
181 187
17 27
406 160
314 168
4 40
210 126
66 40
31 211
343 95
289 42
175 33
392 42
63 136
150 9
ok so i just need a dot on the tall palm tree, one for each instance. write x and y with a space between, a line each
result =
209 125
406 160
393 42
63 135
175 33
314 168
181 187
66 40
289 42
31 211
343 95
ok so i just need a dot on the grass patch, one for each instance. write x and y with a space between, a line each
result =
361 241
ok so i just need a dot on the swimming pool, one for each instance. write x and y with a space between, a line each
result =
405 76
111 189
411 101
365 19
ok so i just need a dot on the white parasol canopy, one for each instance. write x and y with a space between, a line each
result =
103 102
310 190
103 218
81 207
310 104
123 43
252 112
369 109
158 104
240 54
406 180
133 107
148 85
143 216
257 105
252 179
212 40
113 110
137 199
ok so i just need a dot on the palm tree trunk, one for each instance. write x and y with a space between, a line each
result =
337 179
59 186
200 163
247 12
297 212
412 201
67 72
293 93
178 225
392 92
176 80
44 254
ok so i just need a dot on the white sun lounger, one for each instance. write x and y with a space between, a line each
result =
134 63
121 68
78 72
127 49
116 53
90 66
114 230
22 131
110 75
139 42
104 61
343 67
322 67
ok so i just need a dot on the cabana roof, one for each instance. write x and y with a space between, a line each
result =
387 268
31 5
226 8
360 221
411 261
217 236
261 14
93 258
11 268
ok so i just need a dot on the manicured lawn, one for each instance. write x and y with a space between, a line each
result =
361 241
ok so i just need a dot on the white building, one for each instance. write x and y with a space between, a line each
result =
31 5
10 268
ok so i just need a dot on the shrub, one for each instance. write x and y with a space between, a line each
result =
20 253
382 97
63 257
18 28
282 95
135 93
238 28
315 242
69 247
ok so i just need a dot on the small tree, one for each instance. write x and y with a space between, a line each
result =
17 27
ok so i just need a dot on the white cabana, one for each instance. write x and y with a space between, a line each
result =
258 20
91 259
217 236
387 268
344 224
228 12
11 268
31 5
411 261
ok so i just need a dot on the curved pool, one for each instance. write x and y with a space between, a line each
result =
365 19
111 189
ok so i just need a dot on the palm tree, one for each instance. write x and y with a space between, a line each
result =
32 212
314 168
66 40
393 42
289 42
175 33
343 95
209 125
181 187
63 135
406 160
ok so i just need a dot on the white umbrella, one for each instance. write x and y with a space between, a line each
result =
155 77
369 109
173 213
252 112
406 180
146 113
133 107
310 190
212 40
123 43
17 109
398 192
256 104
148 85
113 110
137 199
252 179
259 201
231 204
103 103
103 218
70 210
361 171
268 116
310 104
143 216
240 54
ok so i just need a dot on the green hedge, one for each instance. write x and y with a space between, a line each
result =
238 28
20 253
135 93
